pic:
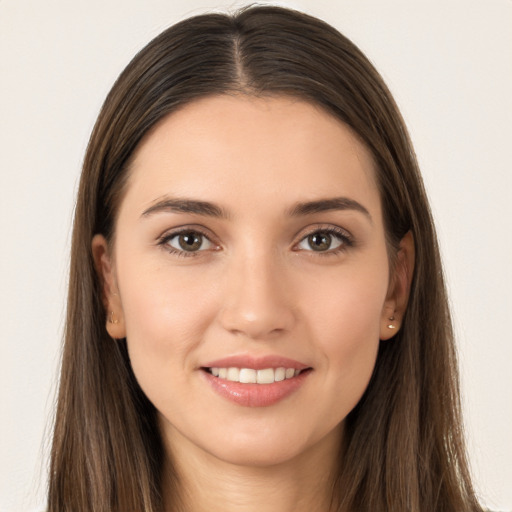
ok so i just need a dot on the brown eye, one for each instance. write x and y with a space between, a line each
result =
322 241
189 241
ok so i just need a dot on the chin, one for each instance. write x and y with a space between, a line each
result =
273 446
258 455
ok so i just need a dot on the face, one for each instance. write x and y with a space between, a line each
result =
250 247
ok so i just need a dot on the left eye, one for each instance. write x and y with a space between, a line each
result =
321 241
189 241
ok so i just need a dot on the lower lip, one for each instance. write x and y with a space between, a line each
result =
256 395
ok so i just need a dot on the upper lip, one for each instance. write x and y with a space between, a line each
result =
255 362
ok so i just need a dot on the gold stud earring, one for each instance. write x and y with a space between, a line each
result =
391 326
112 319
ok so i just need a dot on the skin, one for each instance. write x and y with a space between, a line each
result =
256 286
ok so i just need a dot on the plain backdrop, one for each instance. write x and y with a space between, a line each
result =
449 65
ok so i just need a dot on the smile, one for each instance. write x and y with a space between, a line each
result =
255 381
252 376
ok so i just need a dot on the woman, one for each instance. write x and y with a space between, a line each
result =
257 315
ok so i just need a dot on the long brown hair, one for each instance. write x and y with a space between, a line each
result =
403 445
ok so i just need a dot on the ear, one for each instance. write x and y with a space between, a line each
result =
103 261
399 288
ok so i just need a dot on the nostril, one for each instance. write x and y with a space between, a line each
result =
257 323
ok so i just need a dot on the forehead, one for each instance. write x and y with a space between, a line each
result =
246 150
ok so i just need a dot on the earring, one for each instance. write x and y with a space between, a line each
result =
112 319
391 326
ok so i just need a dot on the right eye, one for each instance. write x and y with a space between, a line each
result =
186 243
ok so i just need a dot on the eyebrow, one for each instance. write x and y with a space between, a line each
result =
186 206
326 205
205 208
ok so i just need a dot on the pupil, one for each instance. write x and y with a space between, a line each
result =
320 242
190 241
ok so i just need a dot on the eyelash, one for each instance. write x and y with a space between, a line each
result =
343 236
346 239
165 239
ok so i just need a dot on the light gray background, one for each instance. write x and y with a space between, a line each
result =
449 65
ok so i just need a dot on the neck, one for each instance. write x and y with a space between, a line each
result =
200 482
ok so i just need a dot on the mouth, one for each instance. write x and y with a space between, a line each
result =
253 376
255 381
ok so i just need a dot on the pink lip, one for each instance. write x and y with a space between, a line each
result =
256 363
255 395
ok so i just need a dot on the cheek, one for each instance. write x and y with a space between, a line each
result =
165 313
345 322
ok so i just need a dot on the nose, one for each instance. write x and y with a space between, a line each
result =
257 300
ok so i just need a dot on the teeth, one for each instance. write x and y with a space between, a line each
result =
279 374
250 376
247 376
266 376
233 374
